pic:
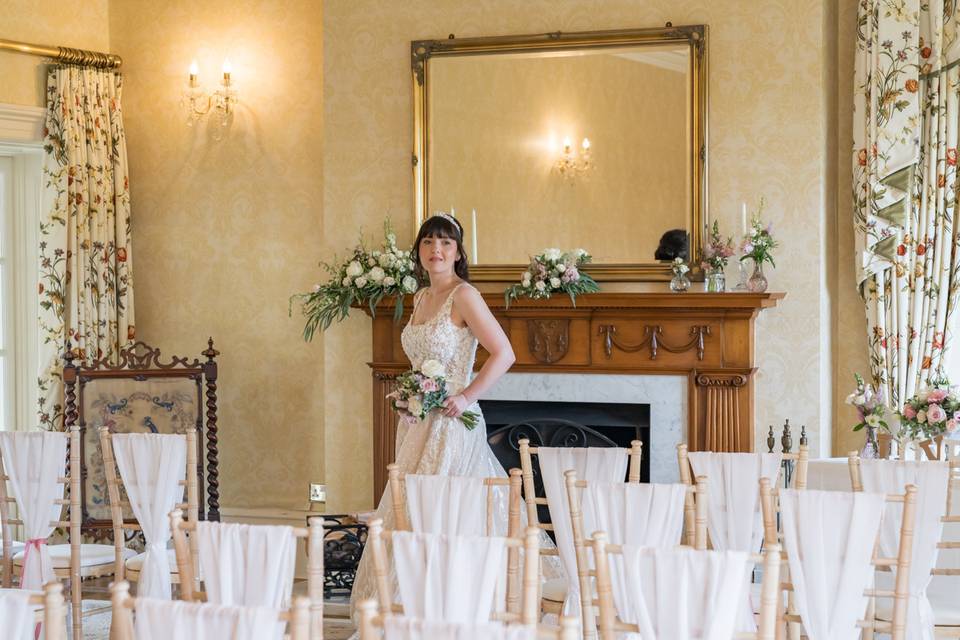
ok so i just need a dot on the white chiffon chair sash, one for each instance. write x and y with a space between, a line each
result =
16 615
454 505
151 466
679 592
931 477
593 464
734 521
829 538
34 462
247 565
645 515
448 578
404 628
165 619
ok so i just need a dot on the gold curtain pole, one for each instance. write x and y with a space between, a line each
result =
64 54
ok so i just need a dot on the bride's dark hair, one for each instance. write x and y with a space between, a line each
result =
441 227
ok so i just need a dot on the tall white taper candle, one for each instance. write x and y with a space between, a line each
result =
473 248
743 218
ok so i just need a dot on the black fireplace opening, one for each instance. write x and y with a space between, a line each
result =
564 424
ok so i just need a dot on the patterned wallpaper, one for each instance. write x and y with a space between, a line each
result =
226 231
769 133
82 24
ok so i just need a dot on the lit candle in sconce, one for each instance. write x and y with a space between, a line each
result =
227 68
566 145
194 72
586 144
473 221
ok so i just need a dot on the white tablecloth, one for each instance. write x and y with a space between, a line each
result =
833 474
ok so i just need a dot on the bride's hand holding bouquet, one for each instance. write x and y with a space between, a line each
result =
420 392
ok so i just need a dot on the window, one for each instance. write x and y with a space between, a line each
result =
20 173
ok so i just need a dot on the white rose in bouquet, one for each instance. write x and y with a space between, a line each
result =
579 253
561 268
525 278
432 369
371 262
409 284
361 282
414 406
346 281
377 274
389 282
555 283
552 254
354 269
540 286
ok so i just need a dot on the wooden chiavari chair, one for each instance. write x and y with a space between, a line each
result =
185 544
72 561
372 625
611 626
122 628
126 567
555 591
49 609
900 564
526 612
586 570
945 543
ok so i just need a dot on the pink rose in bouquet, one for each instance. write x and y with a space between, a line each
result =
420 392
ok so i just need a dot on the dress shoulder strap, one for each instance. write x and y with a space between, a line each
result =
448 303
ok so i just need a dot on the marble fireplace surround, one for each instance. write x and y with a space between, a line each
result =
666 396
690 356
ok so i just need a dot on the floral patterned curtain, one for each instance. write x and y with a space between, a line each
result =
86 262
906 118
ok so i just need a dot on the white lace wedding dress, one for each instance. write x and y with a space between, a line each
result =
438 445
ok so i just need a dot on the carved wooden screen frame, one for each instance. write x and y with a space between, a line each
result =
139 362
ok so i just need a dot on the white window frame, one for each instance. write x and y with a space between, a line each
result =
21 139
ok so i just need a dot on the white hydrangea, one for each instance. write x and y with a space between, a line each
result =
392 238
376 274
387 260
360 282
354 269
552 253
409 284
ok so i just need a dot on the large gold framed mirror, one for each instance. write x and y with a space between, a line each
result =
592 139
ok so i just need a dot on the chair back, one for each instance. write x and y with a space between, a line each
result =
161 619
19 610
680 592
219 545
138 498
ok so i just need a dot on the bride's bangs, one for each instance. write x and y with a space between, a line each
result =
439 227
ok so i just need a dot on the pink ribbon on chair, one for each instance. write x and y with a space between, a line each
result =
32 543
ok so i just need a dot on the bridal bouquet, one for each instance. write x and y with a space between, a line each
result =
933 411
420 392
553 271
869 404
364 276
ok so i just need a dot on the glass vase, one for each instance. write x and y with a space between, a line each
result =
870 449
757 282
679 283
716 280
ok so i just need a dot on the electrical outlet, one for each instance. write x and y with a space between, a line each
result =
318 492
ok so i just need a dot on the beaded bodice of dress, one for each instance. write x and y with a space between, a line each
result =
440 339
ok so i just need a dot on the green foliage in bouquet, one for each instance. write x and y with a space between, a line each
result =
363 277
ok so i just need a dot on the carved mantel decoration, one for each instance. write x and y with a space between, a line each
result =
707 337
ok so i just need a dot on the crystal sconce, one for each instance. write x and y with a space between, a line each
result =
198 103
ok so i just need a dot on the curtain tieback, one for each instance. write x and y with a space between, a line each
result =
32 546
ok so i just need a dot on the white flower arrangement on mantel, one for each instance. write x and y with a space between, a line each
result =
554 271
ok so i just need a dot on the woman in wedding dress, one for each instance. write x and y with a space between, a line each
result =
449 318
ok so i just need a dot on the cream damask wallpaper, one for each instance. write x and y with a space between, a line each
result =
82 24
226 231
770 133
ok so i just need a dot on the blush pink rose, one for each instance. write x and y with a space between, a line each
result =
935 414
952 426
937 395
428 385
909 412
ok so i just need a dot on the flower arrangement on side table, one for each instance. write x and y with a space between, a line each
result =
364 277
757 245
871 408
933 411
680 281
420 392
714 257
554 271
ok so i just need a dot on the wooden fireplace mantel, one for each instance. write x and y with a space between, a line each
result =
707 337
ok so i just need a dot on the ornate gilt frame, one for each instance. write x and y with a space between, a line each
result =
695 36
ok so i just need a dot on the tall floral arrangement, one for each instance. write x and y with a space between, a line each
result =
365 276
933 411
554 271
758 243
870 405
717 252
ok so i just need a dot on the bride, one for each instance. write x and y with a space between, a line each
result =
449 318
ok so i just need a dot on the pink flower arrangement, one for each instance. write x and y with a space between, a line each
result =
869 404
717 251
933 411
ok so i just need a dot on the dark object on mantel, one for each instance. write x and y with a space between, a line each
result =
141 394
673 244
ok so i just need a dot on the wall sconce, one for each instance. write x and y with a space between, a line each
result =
198 103
569 165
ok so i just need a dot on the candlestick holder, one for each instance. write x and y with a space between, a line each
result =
743 277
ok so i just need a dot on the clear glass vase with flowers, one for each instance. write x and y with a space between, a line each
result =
872 410
714 257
